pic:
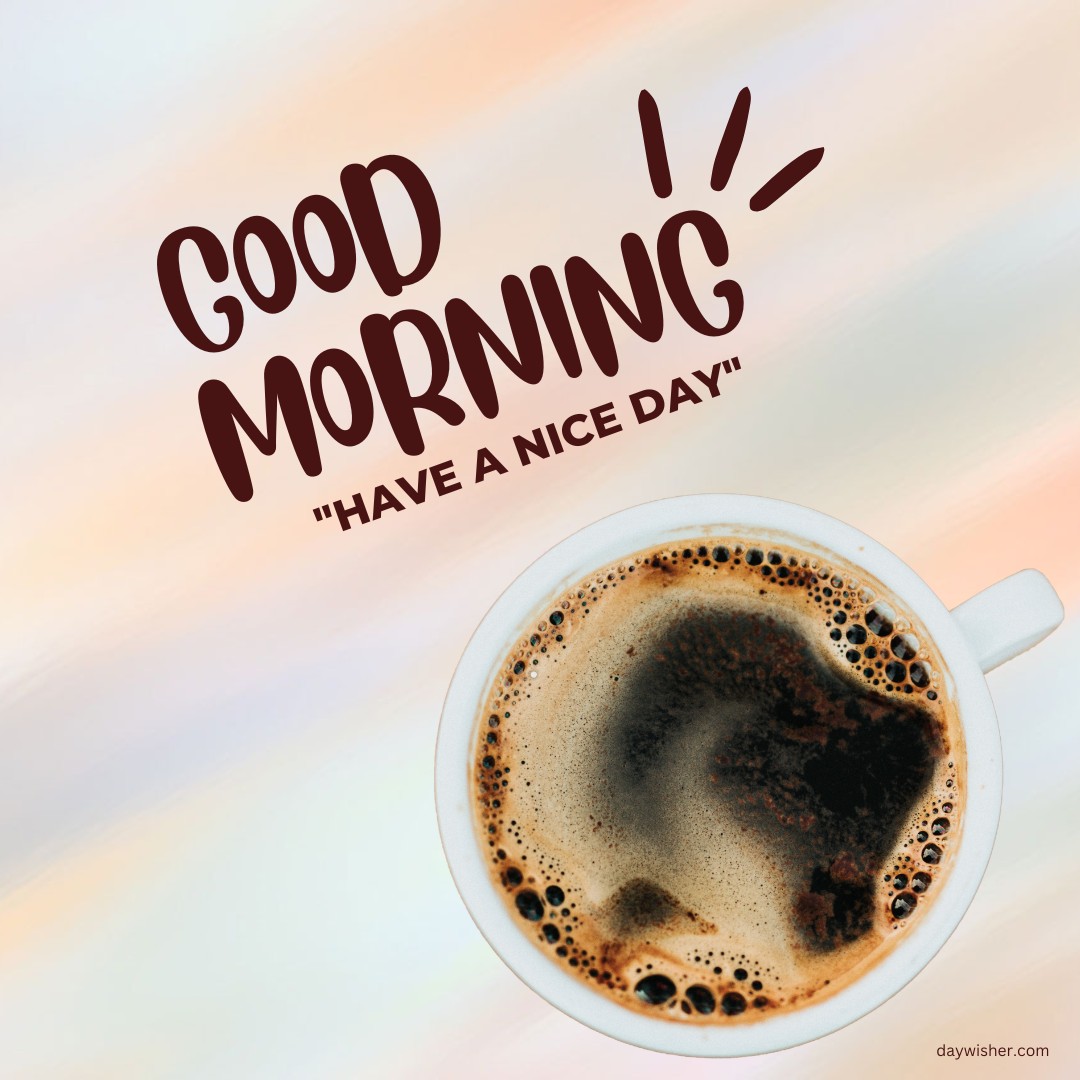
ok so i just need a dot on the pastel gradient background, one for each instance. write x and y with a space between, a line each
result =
218 849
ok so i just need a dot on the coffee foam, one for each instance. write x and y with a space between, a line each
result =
646 838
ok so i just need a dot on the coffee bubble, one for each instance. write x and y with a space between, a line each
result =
655 989
920 882
733 1003
904 905
904 646
919 676
879 620
716 781
529 904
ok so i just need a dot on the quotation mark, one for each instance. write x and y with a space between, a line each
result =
322 512
727 153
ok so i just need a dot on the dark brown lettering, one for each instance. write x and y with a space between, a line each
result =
281 263
527 450
384 500
639 400
588 291
445 479
224 419
487 462
681 393
361 405
552 308
370 229
399 402
605 420
568 430
468 334
175 296
669 260
342 244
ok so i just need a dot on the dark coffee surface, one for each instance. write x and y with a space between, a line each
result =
822 768
719 780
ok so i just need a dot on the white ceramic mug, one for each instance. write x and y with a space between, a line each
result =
985 631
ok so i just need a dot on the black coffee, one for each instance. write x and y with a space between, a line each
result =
720 779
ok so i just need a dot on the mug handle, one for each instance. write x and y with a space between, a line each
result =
1006 619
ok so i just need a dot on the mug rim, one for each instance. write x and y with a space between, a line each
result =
600 543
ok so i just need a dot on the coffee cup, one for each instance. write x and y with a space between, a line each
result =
985 631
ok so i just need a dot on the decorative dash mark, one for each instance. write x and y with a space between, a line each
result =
655 151
727 153
786 178
731 141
